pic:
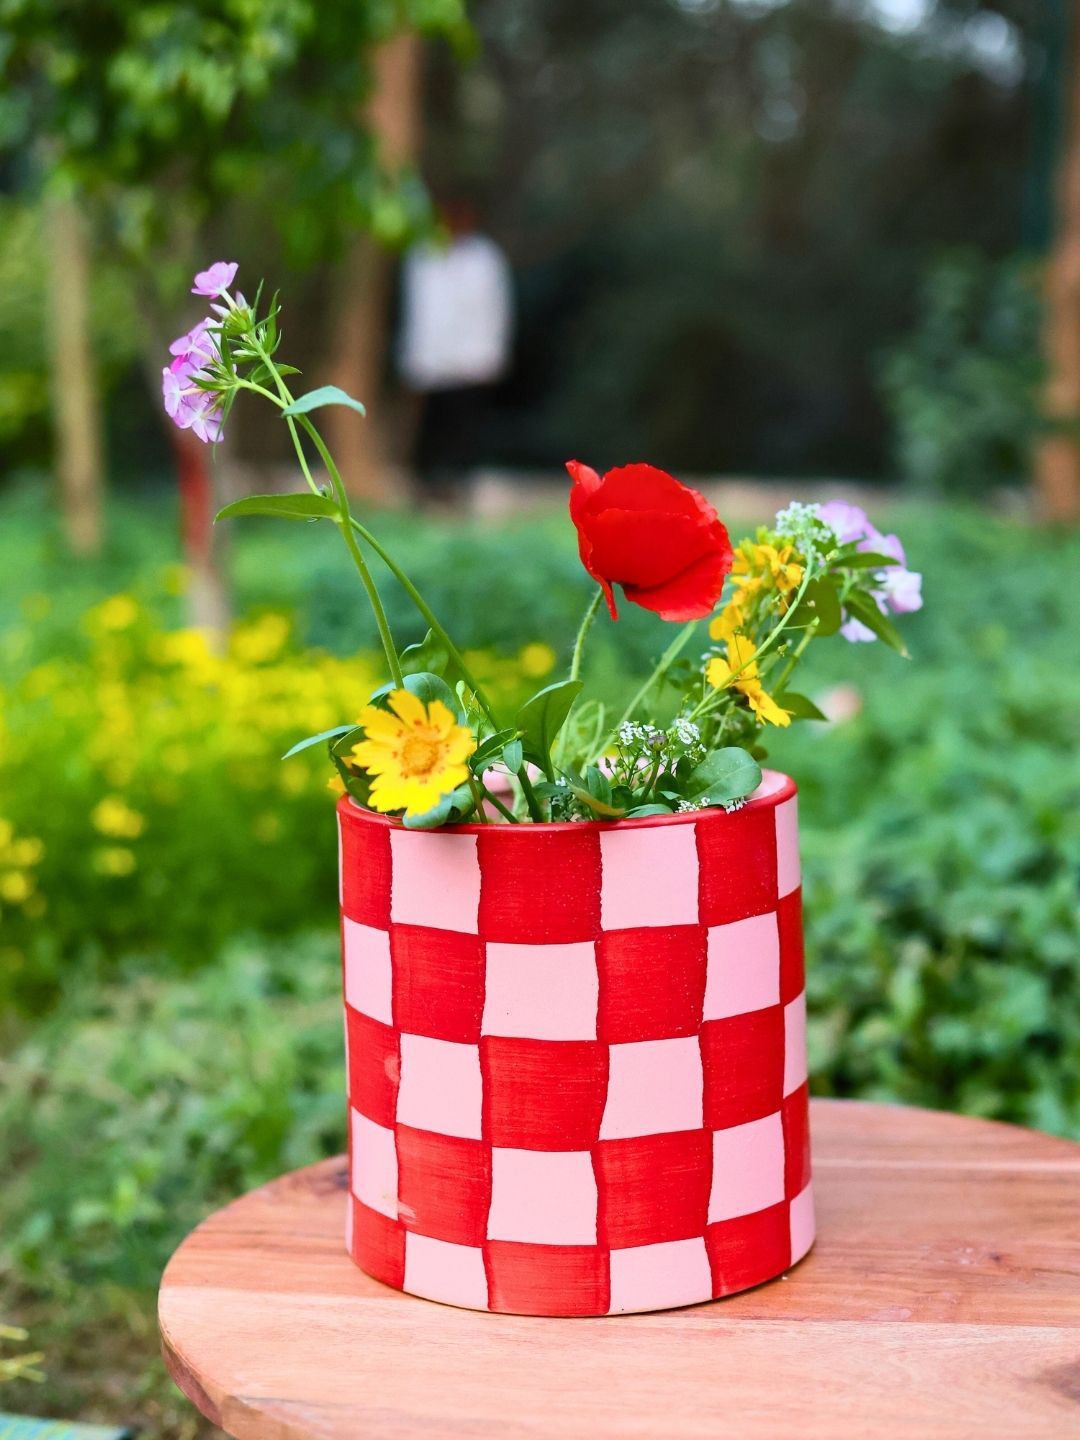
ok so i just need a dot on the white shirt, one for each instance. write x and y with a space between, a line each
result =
457 319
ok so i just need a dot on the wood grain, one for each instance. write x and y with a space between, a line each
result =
941 1300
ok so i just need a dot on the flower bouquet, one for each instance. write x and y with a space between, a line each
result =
572 938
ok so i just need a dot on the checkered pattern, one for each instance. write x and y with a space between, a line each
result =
577 1058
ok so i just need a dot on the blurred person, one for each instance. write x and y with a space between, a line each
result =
456 335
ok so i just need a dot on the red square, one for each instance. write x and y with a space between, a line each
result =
444 1185
652 982
543 1094
796 1119
789 922
374 1067
737 865
365 868
748 1249
438 978
539 887
547 1279
653 1188
378 1244
743 1062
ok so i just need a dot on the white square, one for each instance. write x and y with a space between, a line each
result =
650 877
654 1086
369 978
748 1168
374 1165
655 1277
801 1222
788 868
794 1043
541 992
744 967
545 1197
435 880
441 1088
441 1270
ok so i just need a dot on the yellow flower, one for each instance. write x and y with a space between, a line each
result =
537 660
415 755
112 817
730 620
260 640
119 612
336 785
786 573
741 672
113 860
15 887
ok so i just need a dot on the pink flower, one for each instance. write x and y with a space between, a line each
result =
216 280
197 344
187 404
898 590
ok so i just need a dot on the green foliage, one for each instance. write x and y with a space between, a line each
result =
212 100
962 391
24 321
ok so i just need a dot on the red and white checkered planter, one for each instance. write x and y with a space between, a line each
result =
577 1057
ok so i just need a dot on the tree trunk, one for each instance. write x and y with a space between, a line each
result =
203 543
76 414
1057 461
358 347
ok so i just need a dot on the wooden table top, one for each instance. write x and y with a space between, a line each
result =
942 1300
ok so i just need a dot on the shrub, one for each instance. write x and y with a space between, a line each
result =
963 388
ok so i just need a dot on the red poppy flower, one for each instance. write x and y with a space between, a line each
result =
661 541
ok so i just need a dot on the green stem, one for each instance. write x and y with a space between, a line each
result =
478 793
503 810
428 614
583 630
796 655
375 600
663 665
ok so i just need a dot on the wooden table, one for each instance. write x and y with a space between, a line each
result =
941 1300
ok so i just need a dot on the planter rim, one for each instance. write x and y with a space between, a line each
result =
781 787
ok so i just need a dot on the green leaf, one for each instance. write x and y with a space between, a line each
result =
426 687
867 560
861 607
430 819
724 775
513 756
801 706
314 739
642 810
541 718
324 395
303 506
490 749
821 603
430 654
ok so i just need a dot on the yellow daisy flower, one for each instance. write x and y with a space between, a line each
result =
414 753
740 672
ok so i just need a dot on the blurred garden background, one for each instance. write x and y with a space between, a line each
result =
782 248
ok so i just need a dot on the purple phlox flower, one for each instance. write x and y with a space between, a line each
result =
856 631
897 588
902 590
187 405
198 344
847 522
216 280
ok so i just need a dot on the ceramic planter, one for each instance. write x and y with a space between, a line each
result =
576 1057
